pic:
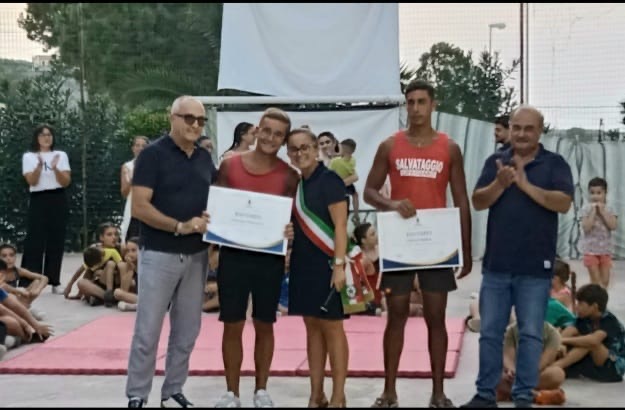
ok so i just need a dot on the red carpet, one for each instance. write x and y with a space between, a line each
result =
101 347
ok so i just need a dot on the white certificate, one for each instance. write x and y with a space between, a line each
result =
432 239
248 220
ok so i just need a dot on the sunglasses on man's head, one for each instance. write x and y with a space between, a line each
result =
190 119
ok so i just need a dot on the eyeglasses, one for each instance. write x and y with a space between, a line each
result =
190 119
304 149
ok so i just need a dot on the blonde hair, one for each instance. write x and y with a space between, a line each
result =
278 115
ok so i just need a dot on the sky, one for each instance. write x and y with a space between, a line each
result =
576 52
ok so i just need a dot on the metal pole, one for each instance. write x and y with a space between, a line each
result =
522 58
527 52
83 137
490 40
222 100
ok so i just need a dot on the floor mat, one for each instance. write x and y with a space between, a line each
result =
101 347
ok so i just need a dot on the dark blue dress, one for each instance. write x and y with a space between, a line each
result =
311 270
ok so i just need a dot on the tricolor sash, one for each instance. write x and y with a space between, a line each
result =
357 292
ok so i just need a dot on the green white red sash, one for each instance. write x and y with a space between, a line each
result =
357 292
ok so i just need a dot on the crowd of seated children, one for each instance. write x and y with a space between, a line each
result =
103 270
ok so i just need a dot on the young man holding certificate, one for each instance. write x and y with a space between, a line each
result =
524 188
420 162
243 272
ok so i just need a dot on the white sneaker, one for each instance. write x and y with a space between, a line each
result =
12 342
177 400
229 400
126 307
38 314
58 290
262 399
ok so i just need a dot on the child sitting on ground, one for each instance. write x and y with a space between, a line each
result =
559 288
596 344
19 322
211 297
127 299
13 282
550 377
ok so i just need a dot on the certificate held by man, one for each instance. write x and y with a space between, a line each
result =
248 220
431 239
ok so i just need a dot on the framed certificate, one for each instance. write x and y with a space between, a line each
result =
431 239
248 220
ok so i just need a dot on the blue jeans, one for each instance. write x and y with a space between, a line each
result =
529 296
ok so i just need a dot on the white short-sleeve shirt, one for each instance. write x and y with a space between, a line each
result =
47 180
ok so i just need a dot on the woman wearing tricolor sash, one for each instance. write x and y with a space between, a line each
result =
318 261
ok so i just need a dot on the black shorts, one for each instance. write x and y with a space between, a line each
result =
430 280
351 189
243 272
605 373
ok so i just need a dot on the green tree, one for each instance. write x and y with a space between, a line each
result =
138 52
48 99
142 121
465 88
622 103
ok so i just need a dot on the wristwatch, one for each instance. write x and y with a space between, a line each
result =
339 261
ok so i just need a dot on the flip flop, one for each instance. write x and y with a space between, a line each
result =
442 403
383 402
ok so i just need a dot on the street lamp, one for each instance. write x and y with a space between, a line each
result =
491 26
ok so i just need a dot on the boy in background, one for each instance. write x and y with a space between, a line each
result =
345 167
597 341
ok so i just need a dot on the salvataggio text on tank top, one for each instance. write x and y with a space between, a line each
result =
419 167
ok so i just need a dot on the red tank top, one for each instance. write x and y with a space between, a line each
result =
273 182
420 174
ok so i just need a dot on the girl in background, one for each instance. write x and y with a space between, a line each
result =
244 138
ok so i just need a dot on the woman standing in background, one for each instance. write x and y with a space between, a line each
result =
130 226
48 173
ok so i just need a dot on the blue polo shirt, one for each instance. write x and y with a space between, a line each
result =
180 190
521 235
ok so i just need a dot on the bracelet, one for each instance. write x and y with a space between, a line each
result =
176 232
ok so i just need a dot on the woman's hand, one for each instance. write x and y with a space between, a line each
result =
338 277
55 162
289 232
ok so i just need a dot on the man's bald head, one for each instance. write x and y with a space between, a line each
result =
187 118
185 101
532 111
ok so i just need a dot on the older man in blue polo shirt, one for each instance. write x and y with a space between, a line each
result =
169 193
524 187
